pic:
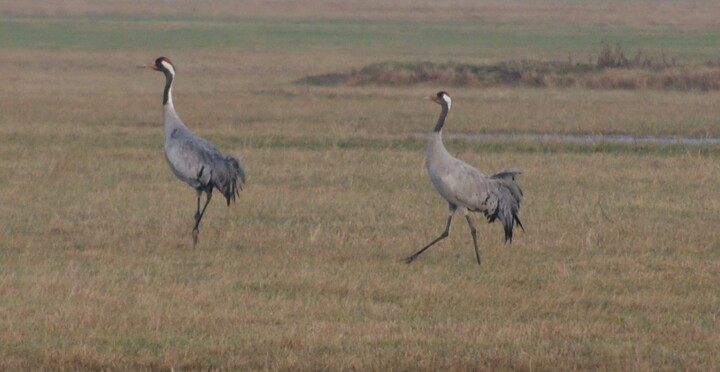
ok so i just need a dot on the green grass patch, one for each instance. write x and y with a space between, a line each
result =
465 38
413 143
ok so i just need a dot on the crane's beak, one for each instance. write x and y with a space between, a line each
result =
431 98
149 65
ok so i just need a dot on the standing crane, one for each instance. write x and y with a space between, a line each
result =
466 189
191 158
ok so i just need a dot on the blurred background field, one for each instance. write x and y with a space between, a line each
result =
617 268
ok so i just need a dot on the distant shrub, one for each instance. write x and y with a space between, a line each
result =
325 79
611 70
609 58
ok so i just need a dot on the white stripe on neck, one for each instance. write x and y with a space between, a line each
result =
448 100
169 67
169 101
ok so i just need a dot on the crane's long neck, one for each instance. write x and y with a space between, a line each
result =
171 120
441 119
436 149
167 94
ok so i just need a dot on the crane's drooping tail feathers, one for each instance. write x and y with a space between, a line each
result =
507 204
229 177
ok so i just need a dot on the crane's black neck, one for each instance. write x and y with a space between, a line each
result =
168 85
441 119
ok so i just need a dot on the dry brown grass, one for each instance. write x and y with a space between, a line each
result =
617 269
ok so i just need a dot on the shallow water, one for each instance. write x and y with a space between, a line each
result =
588 138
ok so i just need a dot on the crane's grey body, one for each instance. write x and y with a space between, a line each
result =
468 190
195 161
192 159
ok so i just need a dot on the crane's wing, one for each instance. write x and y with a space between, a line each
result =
202 166
460 183
508 174
497 196
191 158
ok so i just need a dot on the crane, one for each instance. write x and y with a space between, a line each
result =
191 158
466 189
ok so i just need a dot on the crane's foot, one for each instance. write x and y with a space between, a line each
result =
196 237
410 259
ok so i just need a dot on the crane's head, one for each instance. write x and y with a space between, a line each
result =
162 64
442 98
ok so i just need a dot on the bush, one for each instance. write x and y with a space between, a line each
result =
612 70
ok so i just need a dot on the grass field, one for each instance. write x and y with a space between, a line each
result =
617 270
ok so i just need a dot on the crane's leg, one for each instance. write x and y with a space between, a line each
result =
198 193
473 232
442 236
199 215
